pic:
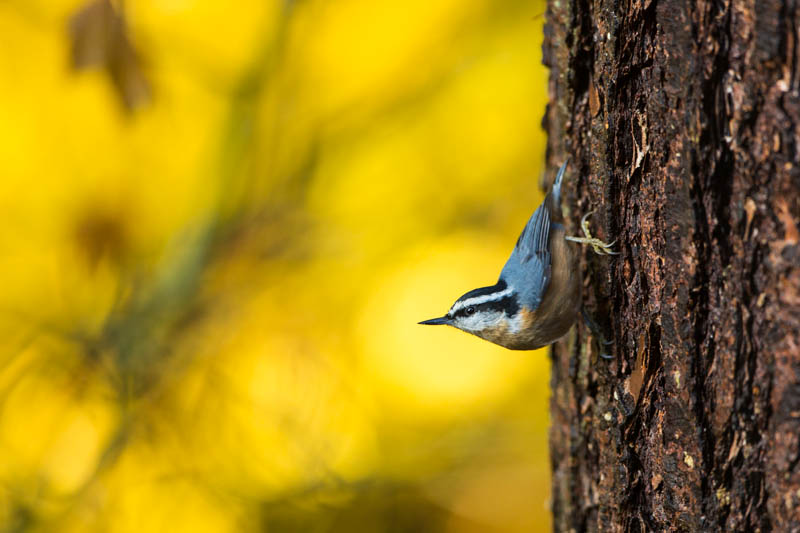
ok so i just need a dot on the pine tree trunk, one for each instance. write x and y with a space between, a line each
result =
681 121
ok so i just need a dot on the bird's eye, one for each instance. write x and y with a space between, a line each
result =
469 310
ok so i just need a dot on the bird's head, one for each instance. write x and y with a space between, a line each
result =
492 313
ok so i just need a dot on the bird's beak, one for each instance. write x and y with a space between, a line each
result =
436 321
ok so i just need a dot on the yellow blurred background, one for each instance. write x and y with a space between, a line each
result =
221 222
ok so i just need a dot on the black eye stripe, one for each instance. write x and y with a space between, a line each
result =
507 305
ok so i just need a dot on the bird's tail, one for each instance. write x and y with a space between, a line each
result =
556 190
553 200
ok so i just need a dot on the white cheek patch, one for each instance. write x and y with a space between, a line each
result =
480 321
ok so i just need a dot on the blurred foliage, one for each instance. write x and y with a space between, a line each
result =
221 223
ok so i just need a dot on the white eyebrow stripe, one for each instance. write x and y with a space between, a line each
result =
482 299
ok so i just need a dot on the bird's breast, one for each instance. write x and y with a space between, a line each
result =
517 332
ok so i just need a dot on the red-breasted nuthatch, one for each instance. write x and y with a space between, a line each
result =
538 296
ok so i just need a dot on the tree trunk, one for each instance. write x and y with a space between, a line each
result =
680 119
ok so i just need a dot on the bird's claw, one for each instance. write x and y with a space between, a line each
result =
599 247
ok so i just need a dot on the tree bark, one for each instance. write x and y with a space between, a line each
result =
681 120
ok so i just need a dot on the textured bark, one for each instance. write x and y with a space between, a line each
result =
681 121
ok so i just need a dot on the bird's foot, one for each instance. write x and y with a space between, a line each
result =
600 247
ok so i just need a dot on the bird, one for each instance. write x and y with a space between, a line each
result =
537 297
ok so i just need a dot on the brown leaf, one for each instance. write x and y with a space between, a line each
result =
99 38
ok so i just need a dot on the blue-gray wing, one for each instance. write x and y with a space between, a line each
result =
528 268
